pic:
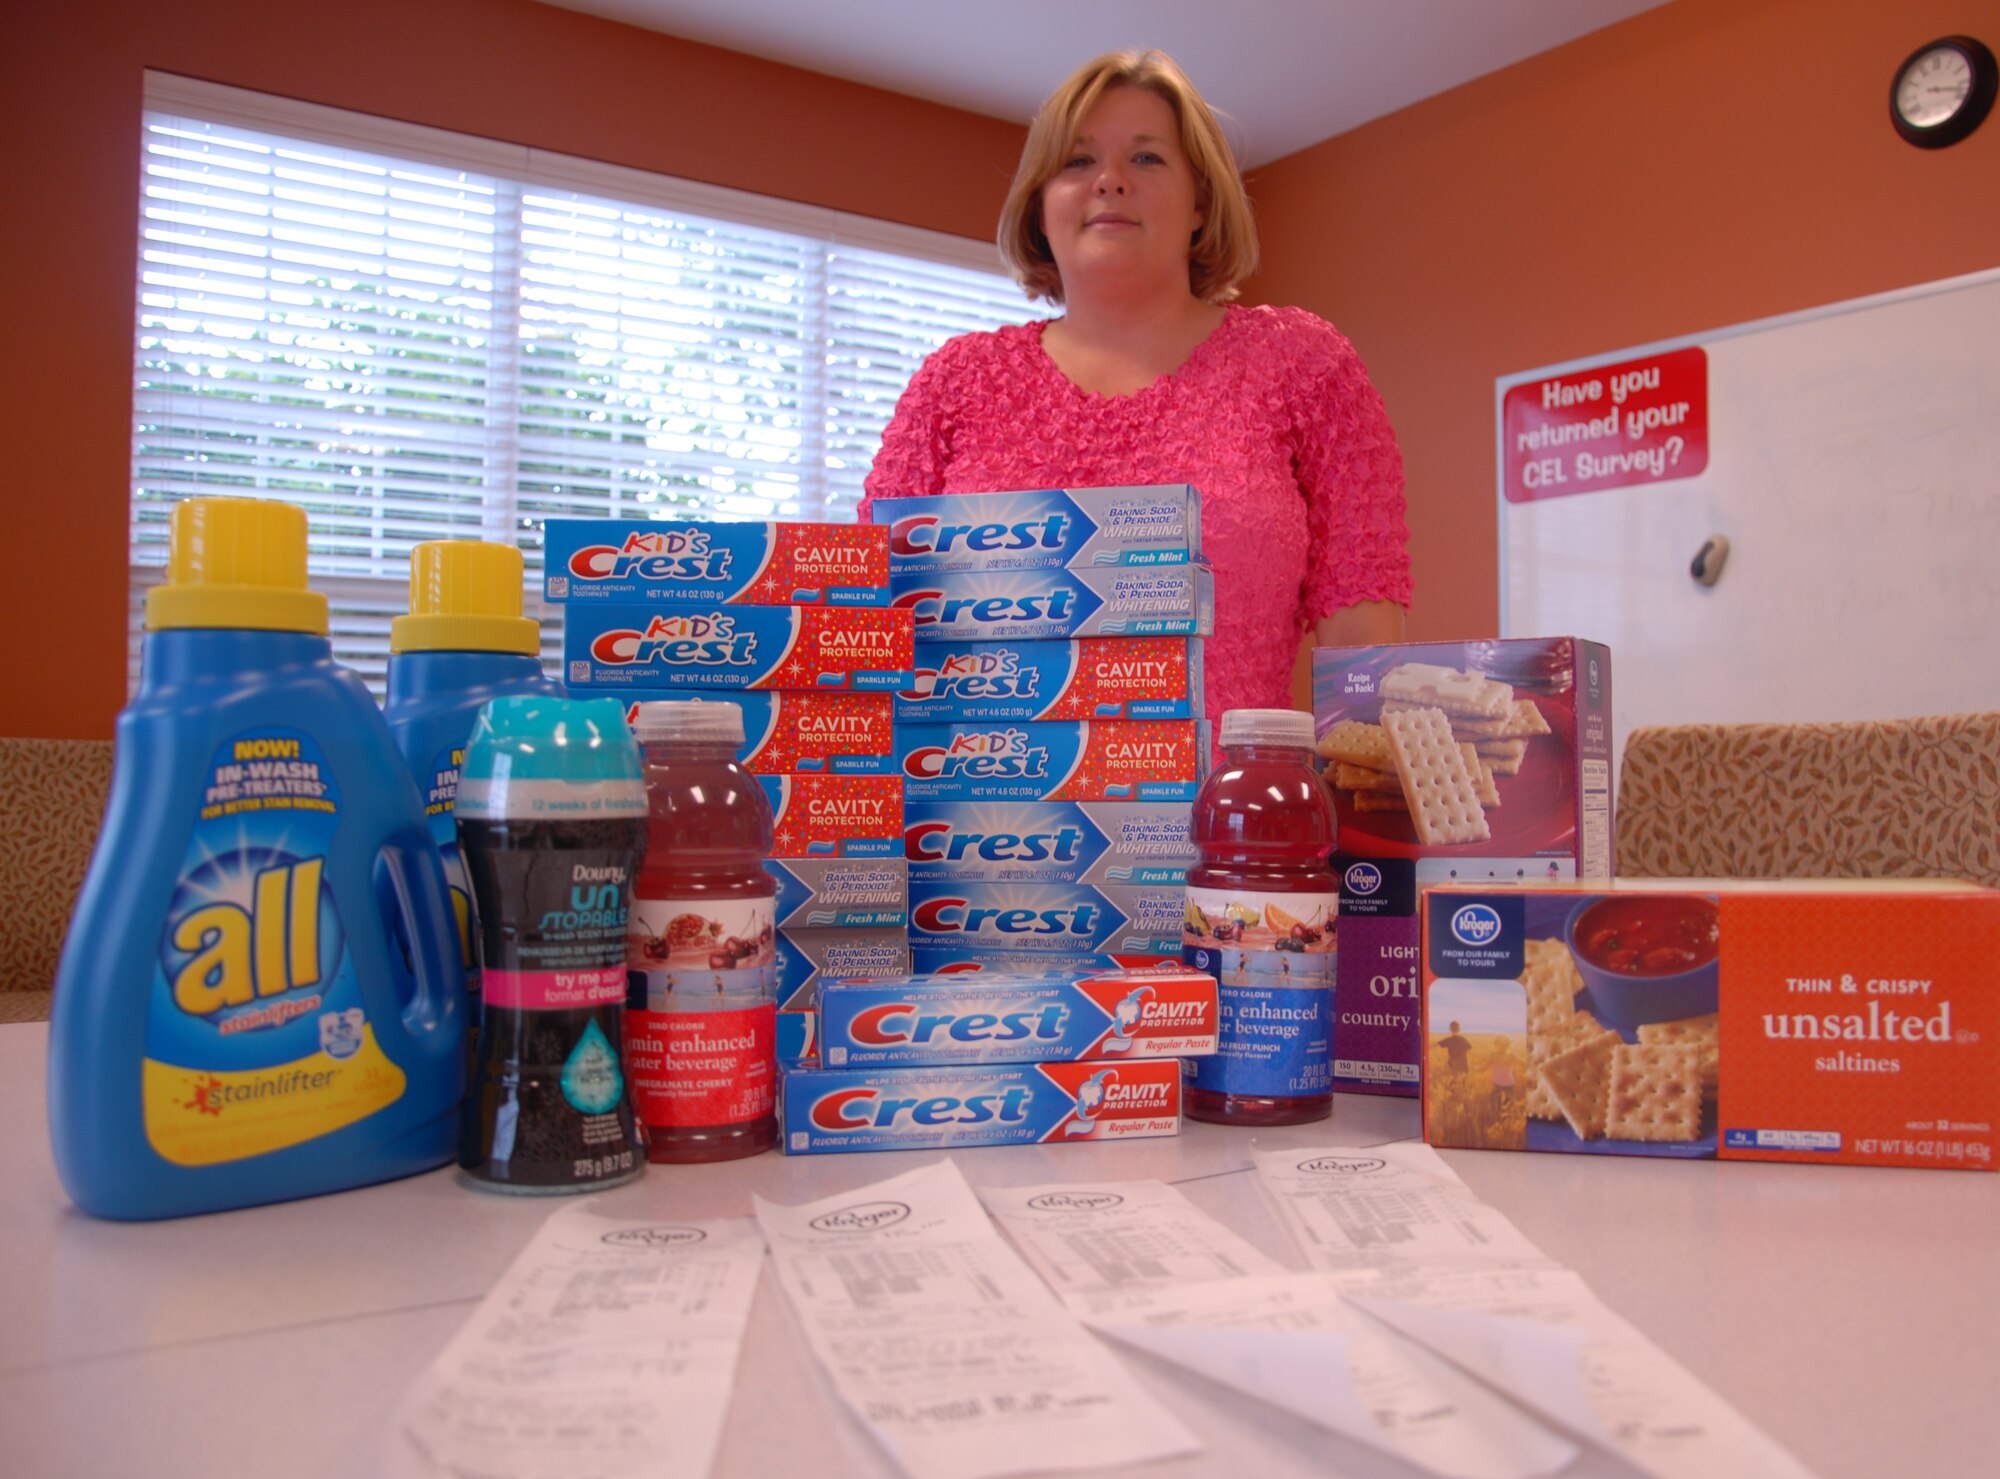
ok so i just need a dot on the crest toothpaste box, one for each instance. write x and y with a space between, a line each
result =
1048 918
688 644
835 816
808 956
1096 760
838 733
1833 1022
750 563
1089 678
841 892
1020 605
1122 1015
1128 843
822 1110
1159 525
933 959
1530 720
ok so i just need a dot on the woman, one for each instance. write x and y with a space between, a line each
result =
1128 210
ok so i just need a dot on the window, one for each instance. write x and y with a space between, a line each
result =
418 335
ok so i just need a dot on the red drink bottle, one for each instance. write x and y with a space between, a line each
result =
702 949
1260 919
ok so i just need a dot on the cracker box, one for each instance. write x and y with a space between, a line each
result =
749 563
1022 605
1090 678
998 1018
808 956
1506 747
1846 1022
841 892
835 816
1048 918
1094 760
839 733
838 1109
1128 843
1159 525
693 644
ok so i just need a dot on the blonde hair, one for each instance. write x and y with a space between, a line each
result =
1222 253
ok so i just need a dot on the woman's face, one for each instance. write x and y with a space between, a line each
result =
1122 207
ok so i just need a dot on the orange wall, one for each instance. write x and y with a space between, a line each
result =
70 80
1700 165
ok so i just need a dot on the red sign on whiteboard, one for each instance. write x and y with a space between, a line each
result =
1613 426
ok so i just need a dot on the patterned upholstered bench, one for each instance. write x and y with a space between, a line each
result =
52 795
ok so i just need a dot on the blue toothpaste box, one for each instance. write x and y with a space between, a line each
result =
1094 842
841 892
1020 605
822 1110
695 644
808 956
950 959
754 563
1089 678
1048 918
1095 760
1157 525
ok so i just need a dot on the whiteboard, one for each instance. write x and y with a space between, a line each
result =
1854 466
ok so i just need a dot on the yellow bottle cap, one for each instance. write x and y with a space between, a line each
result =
465 596
236 562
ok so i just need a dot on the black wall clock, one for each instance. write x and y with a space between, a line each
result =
1943 91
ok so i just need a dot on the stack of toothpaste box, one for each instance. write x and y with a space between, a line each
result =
793 623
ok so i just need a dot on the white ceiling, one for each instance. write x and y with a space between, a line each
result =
1284 73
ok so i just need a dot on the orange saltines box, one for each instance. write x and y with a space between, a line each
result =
1847 1021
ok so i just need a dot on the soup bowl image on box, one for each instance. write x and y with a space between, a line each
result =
1848 1021
1124 843
1047 918
1157 525
836 816
1020 605
1111 760
1089 678
783 732
686 644
747 563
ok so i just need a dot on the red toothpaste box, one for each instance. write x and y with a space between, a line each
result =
1853 1022
785 731
835 816
1508 742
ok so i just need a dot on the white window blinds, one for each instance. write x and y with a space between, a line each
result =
417 335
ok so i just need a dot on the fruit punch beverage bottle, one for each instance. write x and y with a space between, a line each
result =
702 950
1260 919
551 823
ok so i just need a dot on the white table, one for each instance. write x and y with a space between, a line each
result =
1854 1314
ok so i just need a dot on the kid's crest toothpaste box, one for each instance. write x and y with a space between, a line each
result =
923 1020
1098 760
1090 678
748 563
1048 918
1125 843
841 892
706 645
1506 746
835 816
1158 525
838 1109
1850 1022
1022 605
838 733
808 956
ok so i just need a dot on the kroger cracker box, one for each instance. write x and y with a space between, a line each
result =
841 892
1128 843
808 956
835 816
751 563
1159 525
1095 760
1048 918
1506 744
695 644
1090 678
838 1109
1852 1022
993 1018
839 733
1024 605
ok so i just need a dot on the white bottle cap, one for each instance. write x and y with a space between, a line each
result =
1287 727
699 720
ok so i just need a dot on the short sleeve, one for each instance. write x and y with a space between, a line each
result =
916 445
1350 472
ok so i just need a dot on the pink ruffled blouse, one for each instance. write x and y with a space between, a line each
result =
1272 418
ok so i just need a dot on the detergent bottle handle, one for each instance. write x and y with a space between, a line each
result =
435 1014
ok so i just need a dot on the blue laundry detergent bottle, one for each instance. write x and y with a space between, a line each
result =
233 1021
464 641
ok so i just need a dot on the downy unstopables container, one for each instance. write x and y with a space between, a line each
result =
234 1021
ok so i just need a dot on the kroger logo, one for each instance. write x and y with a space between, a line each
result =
1475 924
1334 1165
654 1237
1363 879
1076 1201
861 1217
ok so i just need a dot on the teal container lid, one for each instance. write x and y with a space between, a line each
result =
538 758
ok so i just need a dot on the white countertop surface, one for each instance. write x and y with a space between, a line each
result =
1852 1313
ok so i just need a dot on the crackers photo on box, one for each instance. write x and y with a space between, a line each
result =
1851 1021
1485 761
